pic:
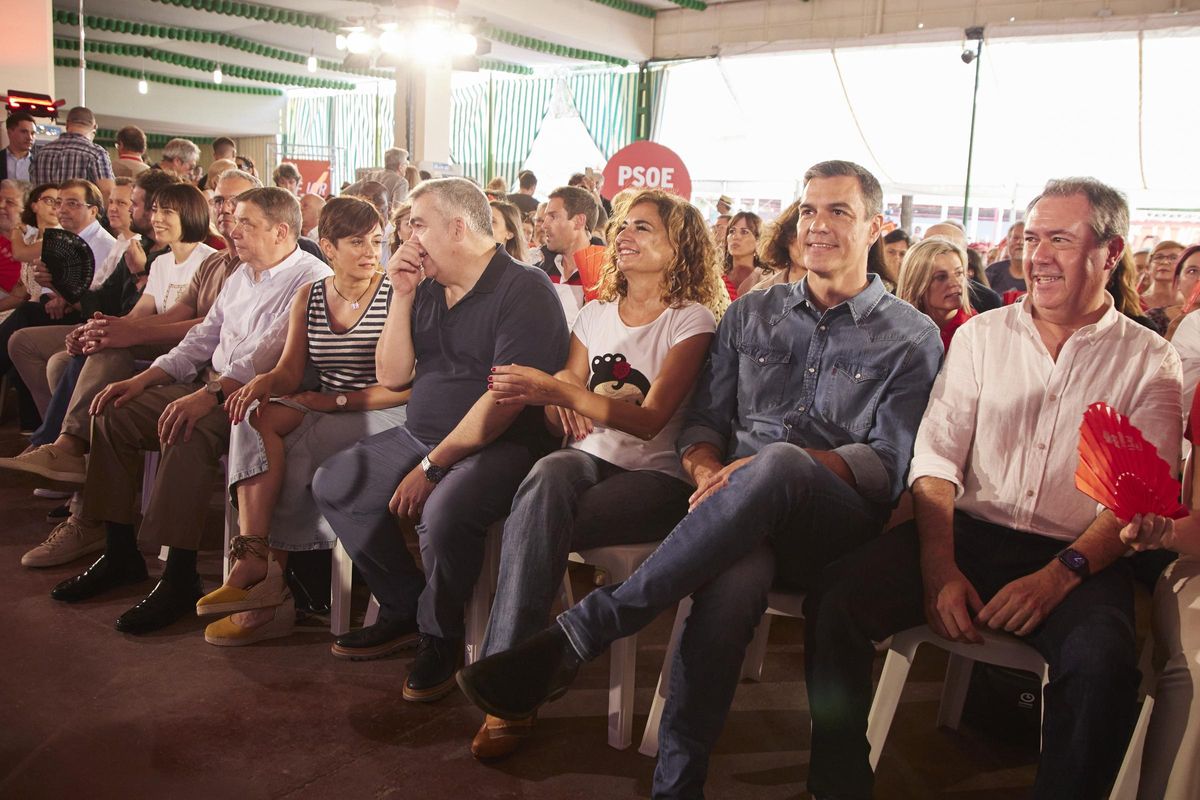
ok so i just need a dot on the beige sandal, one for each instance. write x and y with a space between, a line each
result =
270 591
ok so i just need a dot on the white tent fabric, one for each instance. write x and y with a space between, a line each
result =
1067 106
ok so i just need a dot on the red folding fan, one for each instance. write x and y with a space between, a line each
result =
1122 471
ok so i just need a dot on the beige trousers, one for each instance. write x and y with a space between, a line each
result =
30 350
1171 761
186 470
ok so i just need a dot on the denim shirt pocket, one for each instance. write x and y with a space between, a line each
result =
851 394
763 374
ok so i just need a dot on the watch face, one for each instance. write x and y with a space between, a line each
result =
1074 560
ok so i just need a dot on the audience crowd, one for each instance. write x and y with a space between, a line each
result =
820 402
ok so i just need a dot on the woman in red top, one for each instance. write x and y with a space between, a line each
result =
933 277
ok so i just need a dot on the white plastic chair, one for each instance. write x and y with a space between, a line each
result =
476 613
998 648
619 561
782 604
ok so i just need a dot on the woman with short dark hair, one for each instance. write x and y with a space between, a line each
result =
179 217
281 433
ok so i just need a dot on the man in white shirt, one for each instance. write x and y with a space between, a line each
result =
176 406
32 348
1003 540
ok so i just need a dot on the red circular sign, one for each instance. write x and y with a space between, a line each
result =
646 165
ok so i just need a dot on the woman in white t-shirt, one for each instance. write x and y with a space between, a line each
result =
180 221
635 355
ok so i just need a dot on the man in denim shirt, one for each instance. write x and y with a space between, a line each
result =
799 438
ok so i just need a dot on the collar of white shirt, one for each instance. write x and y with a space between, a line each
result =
270 274
1097 328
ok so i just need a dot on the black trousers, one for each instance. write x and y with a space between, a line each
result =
1087 640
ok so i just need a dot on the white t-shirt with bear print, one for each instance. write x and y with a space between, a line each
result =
624 363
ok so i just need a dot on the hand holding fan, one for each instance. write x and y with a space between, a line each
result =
1122 471
69 261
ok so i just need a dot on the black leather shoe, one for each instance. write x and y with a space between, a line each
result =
376 641
166 603
513 684
431 676
105 573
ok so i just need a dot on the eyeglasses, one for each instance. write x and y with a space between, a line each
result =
72 204
1164 258
50 201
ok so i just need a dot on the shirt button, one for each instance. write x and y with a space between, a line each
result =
857 376
1041 446
762 360
800 408
1029 493
821 328
1053 397
812 369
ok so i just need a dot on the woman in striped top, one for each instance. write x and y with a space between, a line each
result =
281 433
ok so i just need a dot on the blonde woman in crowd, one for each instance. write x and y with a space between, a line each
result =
933 278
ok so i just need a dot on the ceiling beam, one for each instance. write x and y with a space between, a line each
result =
187 83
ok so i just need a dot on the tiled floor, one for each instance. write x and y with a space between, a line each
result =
88 712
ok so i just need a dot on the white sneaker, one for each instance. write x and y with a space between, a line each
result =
68 541
52 494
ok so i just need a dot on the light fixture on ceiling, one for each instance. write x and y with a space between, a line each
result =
359 42
218 76
425 40
339 42
920 25
143 87
312 61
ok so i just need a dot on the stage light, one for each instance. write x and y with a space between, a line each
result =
218 76
143 87
463 44
360 42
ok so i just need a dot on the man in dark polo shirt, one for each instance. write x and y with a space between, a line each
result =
460 306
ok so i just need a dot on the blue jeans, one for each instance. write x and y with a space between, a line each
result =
571 500
1088 641
353 488
781 515
60 401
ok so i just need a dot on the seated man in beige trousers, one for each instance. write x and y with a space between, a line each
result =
175 407
112 346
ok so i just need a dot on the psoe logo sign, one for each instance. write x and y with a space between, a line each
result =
646 165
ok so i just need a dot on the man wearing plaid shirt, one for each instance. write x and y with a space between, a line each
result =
74 155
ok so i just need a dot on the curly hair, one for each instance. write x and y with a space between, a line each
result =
773 246
694 274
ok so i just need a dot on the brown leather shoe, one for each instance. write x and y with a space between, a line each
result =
499 738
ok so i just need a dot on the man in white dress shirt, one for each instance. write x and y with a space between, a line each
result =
1003 540
175 406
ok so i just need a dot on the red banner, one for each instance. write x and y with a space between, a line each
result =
314 176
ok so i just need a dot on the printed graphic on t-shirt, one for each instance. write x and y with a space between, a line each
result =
173 293
613 376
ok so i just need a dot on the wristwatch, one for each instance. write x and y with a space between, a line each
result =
1075 561
433 473
214 388
341 401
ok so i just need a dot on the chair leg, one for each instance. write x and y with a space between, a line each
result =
231 530
756 653
480 605
649 745
339 591
887 693
621 684
954 691
1126 785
